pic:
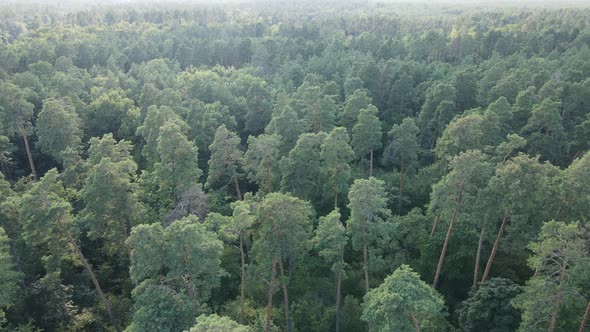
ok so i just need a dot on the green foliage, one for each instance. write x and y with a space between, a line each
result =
554 256
58 128
262 161
489 309
366 133
336 155
226 162
282 228
174 270
156 115
402 302
215 323
330 237
8 276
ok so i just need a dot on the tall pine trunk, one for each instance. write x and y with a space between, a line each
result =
238 191
585 319
101 295
285 297
365 255
271 290
416 323
443 252
243 277
478 258
29 154
558 295
338 286
435 224
486 273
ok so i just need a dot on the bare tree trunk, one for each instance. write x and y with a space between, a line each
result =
243 276
338 286
478 258
435 224
443 252
585 319
371 164
29 154
238 192
558 295
285 297
335 198
101 295
365 255
416 324
401 186
486 273
271 287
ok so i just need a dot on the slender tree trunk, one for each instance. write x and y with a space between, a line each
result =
365 255
29 154
585 319
443 252
478 258
271 287
338 286
435 224
238 192
243 276
101 295
371 164
416 324
558 295
401 186
285 297
486 273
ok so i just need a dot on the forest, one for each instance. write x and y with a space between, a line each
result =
270 166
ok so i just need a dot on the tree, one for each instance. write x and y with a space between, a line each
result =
555 254
469 173
404 146
9 278
521 195
355 102
109 193
177 170
226 161
114 113
489 309
368 213
150 131
48 221
301 169
335 156
283 226
317 110
330 238
58 128
237 227
215 323
366 135
174 270
544 132
262 161
434 115
17 115
402 302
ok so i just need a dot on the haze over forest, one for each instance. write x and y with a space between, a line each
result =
249 166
